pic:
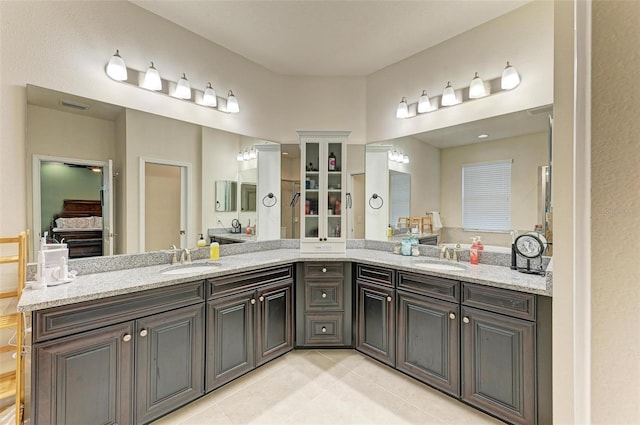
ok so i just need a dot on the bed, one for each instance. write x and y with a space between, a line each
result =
79 225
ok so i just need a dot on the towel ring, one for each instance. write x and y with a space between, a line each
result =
269 200
372 200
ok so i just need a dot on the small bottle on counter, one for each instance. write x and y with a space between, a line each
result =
201 241
473 252
389 232
214 251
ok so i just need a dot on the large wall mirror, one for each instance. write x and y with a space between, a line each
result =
435 169
135 165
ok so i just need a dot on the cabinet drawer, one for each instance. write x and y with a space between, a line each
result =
70 319
512 303
231 284
324 295
323 329
323 270
444 289
375 274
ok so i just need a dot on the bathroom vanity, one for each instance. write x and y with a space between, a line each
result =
129 346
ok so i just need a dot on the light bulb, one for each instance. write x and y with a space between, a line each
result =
424 104
183 89
209 97
405 159
152 79
476 88
403 109
449 95
510 78
253 154
245 155
232 104
116 69
239 157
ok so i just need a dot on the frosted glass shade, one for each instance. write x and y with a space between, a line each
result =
476 88
405 159
449 96
209 98
152 79
403 109
424 103
232 104
240 157
116 69
183 88
253 154
510 78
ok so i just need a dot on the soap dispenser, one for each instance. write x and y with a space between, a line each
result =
473 252
201 241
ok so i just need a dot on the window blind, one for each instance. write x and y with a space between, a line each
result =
486 196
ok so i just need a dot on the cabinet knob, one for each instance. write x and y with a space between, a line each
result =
253 300
389 299
324 295
261 298
452 316
324 330
324 270
143 332
465 319
126 338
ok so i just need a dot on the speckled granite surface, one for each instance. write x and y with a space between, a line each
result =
133 273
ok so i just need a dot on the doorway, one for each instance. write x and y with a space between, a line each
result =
290 213
356 216
165 194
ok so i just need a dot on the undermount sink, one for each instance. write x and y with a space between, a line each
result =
191 268
440 266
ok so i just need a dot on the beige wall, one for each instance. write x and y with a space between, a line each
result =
162 206
615 213
528 153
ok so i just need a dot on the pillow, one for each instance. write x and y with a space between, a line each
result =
97 222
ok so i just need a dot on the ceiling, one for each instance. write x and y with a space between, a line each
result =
328 37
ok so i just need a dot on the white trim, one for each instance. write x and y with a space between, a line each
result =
582 213
36 219
185 198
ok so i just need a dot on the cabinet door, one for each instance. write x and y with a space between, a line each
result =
169 361
376 322
428 341
230 336
498 365
274 322
86 378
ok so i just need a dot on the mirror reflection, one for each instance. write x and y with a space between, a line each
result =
226 193
247 197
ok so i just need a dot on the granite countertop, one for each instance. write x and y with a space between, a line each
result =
111 283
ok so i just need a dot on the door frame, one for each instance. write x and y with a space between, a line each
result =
350 219
185 199
36 199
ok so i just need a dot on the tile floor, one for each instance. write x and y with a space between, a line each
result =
325 387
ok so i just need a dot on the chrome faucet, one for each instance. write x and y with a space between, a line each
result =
185 257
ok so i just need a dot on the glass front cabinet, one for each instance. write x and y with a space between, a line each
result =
323 191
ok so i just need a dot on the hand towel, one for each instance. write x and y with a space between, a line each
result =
435 221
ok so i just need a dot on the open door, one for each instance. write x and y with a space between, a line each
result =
107 209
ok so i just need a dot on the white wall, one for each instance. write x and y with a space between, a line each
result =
524 37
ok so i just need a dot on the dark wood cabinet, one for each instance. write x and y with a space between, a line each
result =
324 305
249 322
85 378
376 321
169 361
274 334
230 328
428 341
498 362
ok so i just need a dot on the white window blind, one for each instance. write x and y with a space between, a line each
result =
486 196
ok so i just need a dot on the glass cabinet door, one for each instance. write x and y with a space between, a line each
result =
334 191
311 190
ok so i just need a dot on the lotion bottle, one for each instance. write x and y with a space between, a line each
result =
214 251
473 252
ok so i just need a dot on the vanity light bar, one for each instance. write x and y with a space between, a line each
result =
451 96
150 79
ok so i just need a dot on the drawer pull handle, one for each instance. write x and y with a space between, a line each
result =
324 295
143 332
261 299
253 300
389 299
324 330
324 270
452 316
465 319
126 338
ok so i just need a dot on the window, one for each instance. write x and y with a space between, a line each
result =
486 196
